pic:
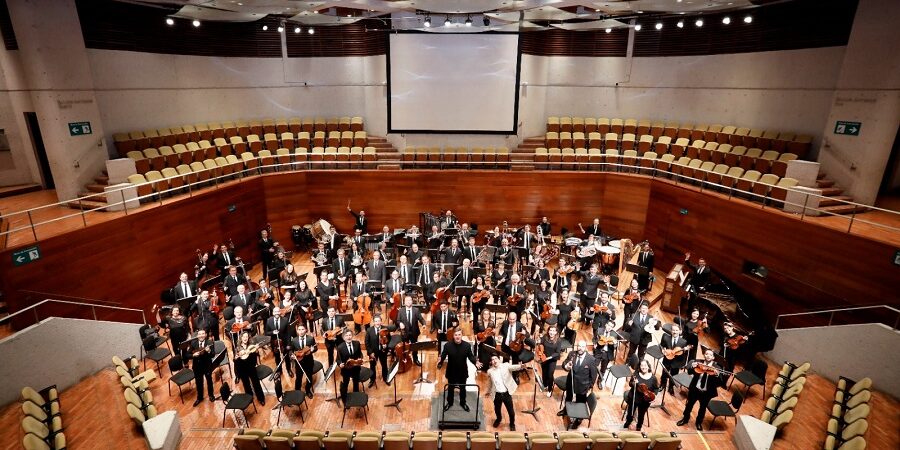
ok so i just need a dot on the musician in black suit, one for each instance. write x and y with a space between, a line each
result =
426 270
471 251
590 282
606 352
242 299
347 350
225 257
593 230
500 277
358 238
465 277
504 253
325 290
329 323
185 288
703 388
279 329
377 351
638 337
412 320
702 272
375 268
233 280
205 318
392 286
430 290
527 238
456 353
240 320
602 317
515 289
340 265
453 254
645 259
406 270
362 223
563 282
481 324
673 366
582 374
304 365
414 255
266 251
508 332
545 226
449 220
202 354
443 321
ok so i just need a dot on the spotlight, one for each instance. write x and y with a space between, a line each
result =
469 21
486 21
447 21
680 24
699 23
637 27
296 30
658 26
726 20
265 28
609 30
171 21
748 19
311 31
427 22
280 29
196 23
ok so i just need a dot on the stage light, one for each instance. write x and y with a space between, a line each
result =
699 23
447 21
296 30
609 30
170 21
196 23
427 22
265 28
748 19
637 27
468 21
726 20
311 31
658 26
486 21
680 24
280 29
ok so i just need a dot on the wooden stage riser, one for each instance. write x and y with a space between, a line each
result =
131 259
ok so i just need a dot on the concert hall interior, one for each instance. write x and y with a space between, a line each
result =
449 225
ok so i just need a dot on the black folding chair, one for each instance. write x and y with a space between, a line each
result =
235 402
718 408
180 375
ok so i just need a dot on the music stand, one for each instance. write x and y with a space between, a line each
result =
392 373
461 291
495 308
420 347
328 374
636 269
538 383
662 399
318 269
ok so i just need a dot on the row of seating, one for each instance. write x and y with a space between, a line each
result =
139 140
766 140
748 158
281 439
42 421
849 415
779 408
435 156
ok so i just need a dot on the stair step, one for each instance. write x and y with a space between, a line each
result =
93 197
87 204
835 200
94 187
831 191
521 157
388 166
824 183
844 209
104 180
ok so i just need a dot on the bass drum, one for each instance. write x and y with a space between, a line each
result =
320 228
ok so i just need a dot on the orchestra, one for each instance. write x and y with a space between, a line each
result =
529 305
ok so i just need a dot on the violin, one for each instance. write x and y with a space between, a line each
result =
333 334
480 296
513 300
362 315
672 353
573 319
357 362
480 337
645 391
631 297
706 369
395 307
734 342
606 340
309 313
384 336
598 308
300 354
238 327
215 300
545 312
539 354
245 353
565 270
518 343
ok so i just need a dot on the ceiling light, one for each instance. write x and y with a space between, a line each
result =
726 20
748 19
447 21
609 30
427 22
196 23
468 21
280 29
311 31
349 15
699 23
637 27
171 21
658 26
296 30
265 28
680 24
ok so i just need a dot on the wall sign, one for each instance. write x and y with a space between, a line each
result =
79 128
26 255
847 128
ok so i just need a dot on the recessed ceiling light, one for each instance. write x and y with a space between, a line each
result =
427 22
196 23
699 22
265 27
748 19
311 31
170 21
726 20
637 27
609 30
447 21
280 29
296 30
468 21
680 24
658 26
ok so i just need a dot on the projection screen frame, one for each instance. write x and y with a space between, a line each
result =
515 126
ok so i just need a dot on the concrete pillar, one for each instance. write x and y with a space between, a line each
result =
57 71
868 92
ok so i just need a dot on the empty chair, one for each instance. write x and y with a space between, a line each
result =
332 124
302 140
712 132
568 158
725 134
595 156
718 408
356 124
319 139
157 161
595 140
679 148
143 187
153 138
664 163
553 124
765 182
123 143
169 155
801 145
223 147
172 177
779 166
616 126
721 152
200 172
751 139
629 126
141 164
308 125
629 159
693 150
249 161
271 140
565 139
603 125
157 180
369 154
733 158
780 143
719 171
627 141
577 125
611 160
287 140
705 153
764 162
185 156
670 130
334 139
765 141
643 127
235 402
235 163
551 139
648 161
554 156
698 132
565 124
238 145
645 143
590 125
679 166
209 150
578 139
692 168
295 125
581 155
611 141
541 156
223 166
360 138
702 171
737 138
748 159
661 146
782 420
346 138
685 131
779 191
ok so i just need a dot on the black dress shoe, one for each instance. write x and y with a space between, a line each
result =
496 423
681 422
447 407
671 391
465 408
197 402
212 399
576 423
512 427
627 424
699 427
309 395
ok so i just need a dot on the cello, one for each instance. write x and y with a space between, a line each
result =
403 357
395 307
363 315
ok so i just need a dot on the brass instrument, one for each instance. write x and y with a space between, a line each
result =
320 259
586 252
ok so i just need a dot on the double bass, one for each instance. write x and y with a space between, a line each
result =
363 315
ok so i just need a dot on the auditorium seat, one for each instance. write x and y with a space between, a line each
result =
595 156
153 138
581 156
731 176
664 163
169 136
670 130
629 126
629 160
657 129
698 132
201 173
748 159
603 125
724 135
611 141
502 156
595 140
678 167
627 142
737 138
779 166
578 139
476 155
172 177
616 126
541 156
745 183
346 138
303 139
332 124
565 139
712 132
307 124
334 139
318 139
287 140
766 140
701 171
643 127
249 161
271 142
369 156
143 188
209 150
356 124
648 161
679 148
551 139
568 158
222 146
780 143
685 131
645 143
764 162
553 124
716 174
295 125
183 154
203 132
169 156
555 157
661 146
752 138
186 173
590 125
718 156
693 150
157 181
141 163
779 191
693 168
320 124
611 158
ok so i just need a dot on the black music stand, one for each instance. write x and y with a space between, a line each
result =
419 347
538 383
461 291
318 269
662 399
392 373
328 374
636 269
495 308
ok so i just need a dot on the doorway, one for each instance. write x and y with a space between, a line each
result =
40 152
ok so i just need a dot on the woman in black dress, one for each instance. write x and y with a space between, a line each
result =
246 357
635 397
179 328
305 301
288 279
692 326
552 348
541 298
482 323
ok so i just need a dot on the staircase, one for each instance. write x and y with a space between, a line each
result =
522 156
97 201
388 157
834 204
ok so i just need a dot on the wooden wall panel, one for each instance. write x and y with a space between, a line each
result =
286 204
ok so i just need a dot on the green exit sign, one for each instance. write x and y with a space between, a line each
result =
26 255
683 211
847 128
79 128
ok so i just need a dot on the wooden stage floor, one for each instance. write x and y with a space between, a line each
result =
94 413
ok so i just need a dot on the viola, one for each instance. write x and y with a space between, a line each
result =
480 337
300 354
598 308
606 340
671 353
734 342
645 391
333 334
631 297
309 313
215 300
563 271
395 306
363 315
518 343
539 354
238 327
480 296
245 353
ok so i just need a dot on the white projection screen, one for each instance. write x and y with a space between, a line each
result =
453 83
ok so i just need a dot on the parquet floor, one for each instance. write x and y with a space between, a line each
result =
94 413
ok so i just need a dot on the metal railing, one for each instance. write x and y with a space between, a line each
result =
163 192
69 309
882 314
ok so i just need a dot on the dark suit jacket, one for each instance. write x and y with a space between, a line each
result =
392 286
411 326
372 342
362 223
415 258
235 301
464 280
504 331
308 341
220 260
264 247
407 273
453 256
713 383
589 285
592 229
375 271
437 322
701 279
505 255
426 272
679 361
456 356
336 267
583 375
192 287
323 291
646 261
355 291
202 362
637 335
338 324
283 330
471 252
231 284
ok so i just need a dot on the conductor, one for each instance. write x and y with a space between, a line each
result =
456 353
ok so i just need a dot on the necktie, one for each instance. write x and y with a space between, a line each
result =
396 286
242 299
465 275
332 323
703 382
444 323
227 259
580 359
341 261
642 318
350 347
276 324
409 316
185 288
509 333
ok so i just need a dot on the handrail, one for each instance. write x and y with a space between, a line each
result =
92 305
838 310
297 166
89 300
